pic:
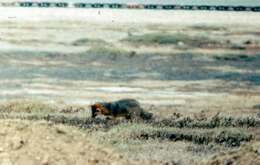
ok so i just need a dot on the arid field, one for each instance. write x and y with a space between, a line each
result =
198 72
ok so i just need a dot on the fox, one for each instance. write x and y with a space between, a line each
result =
127 108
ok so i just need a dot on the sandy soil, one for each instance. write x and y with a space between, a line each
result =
30 143
247 154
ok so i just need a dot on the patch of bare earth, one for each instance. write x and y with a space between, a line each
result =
248 154
30 143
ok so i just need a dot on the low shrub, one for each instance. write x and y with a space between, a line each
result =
228 137
88 41
231 138
215 121
169 38
235 57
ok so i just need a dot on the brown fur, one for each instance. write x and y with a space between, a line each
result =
100 109
128 108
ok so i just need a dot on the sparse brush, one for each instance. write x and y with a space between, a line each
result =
207 28
231 138
169 38
71 109
27 106
239 57
176 128
68 119
227 137
213 122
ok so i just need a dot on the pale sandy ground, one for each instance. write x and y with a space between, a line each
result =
41 143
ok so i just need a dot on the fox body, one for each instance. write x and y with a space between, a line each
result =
128 108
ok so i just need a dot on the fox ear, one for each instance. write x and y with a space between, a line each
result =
98 105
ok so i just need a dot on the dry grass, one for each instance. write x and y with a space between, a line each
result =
210 122
219 130
26 106
124 133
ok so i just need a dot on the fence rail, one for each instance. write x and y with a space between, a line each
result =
128 6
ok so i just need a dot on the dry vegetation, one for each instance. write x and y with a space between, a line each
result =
208 135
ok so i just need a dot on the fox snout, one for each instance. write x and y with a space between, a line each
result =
98 109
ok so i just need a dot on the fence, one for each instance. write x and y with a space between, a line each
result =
129 6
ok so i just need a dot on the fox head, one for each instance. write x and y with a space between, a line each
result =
98 108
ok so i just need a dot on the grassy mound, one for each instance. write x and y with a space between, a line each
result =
211 122
141 132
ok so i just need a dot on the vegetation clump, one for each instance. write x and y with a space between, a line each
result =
26 106
231 57
213 122
111 51
88 41
171 38
139 132
231 138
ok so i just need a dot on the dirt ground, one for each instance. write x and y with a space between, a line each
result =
199 69
42 143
